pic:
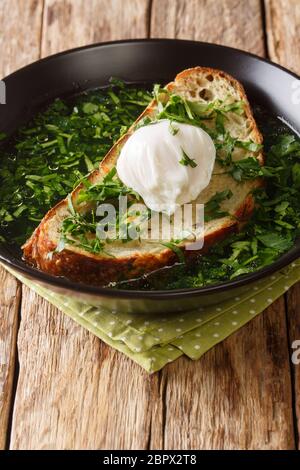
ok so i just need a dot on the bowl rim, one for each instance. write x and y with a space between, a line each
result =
149 40
64 283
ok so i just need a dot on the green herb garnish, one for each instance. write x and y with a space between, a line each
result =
212 208
173 129
246 169
271 231
173 246
186 160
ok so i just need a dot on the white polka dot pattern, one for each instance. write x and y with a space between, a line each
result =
153 341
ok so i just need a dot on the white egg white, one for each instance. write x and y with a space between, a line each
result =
151 163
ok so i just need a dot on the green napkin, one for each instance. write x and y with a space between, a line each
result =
154 340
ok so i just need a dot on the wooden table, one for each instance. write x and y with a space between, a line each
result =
62 388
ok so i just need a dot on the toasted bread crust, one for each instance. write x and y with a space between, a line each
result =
99 270
237 85
88 269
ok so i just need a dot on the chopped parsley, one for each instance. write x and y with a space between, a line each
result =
48 156
186 160
211 117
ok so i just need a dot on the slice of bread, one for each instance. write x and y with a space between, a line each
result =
135 258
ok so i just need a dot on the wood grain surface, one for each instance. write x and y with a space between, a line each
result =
74 392
260 424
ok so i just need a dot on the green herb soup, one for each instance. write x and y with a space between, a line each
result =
47 158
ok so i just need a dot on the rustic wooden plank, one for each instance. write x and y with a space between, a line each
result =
74 391
283 35
283 32
230 22
239 394
14 34
73 23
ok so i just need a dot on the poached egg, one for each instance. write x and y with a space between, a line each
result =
167 163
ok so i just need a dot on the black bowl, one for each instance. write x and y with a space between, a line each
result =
143 61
